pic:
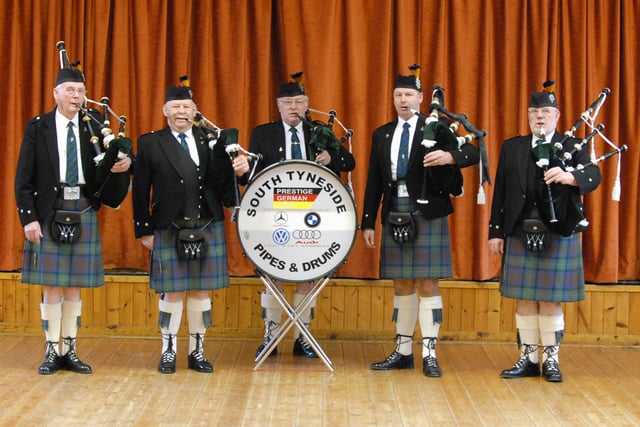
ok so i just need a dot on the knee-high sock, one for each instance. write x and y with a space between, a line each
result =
271 313
169 322
51 315
430 320
528 335
71 312
406 315
197 311
306 315
551 333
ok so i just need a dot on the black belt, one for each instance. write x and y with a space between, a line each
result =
191 222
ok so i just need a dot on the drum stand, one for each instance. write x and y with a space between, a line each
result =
293 314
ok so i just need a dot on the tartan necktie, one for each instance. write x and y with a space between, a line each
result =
403 153
296 152
183 142
72 157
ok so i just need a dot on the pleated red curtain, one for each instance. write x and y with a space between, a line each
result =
488 56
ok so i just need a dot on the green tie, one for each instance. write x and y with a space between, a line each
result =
72 157
296 153
403 152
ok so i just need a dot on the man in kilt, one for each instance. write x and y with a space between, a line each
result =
541 264
56 173
396 173
181 182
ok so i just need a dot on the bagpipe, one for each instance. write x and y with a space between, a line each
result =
562 208
112 148
323 136
440 133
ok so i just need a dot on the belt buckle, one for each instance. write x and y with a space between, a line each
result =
71 193
402 190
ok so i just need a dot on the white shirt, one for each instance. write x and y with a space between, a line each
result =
191 143
287 137
395 141
61 135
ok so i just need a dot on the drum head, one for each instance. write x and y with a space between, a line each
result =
297 221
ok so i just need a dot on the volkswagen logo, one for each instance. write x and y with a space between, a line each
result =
281 236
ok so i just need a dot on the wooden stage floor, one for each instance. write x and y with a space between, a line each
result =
601 387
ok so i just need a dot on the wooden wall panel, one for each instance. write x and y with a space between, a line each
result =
345 309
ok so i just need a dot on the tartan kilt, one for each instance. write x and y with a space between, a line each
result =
556 275
428 256
66 264
170 273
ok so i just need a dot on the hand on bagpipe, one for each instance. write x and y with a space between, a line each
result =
440 133
109 149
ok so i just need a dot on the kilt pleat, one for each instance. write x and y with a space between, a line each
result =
170 273
556 275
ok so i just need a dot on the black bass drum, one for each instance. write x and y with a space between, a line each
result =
297 221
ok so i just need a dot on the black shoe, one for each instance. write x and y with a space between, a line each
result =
70 362
522 368
430 367
551 371
394 361
302 348
52 361
199 363
262 346
167 363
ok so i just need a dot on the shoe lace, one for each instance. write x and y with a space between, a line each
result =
527 349
50 353
198 353
431 362
304 344
169 355
551 364
71 353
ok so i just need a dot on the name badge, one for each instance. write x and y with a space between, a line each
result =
71 193
402 190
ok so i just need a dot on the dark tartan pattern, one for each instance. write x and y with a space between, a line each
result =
170 273
428 256
66 264
557 275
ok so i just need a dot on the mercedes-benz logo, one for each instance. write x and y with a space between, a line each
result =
281 218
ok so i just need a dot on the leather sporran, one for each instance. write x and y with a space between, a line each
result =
66 226
535 235
403 228
191 243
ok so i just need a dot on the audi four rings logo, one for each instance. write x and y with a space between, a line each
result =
281 236
306 234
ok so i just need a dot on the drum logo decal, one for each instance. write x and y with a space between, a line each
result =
295 197
281 236
312 219
281 218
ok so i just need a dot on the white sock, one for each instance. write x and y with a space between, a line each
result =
529 333
195 312
305 315
551 332
272 314
407 315
174 310
71 312
52 314
429 326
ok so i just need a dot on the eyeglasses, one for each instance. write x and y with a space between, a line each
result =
291 102
72 90
545 111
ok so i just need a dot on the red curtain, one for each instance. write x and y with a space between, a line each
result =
488 56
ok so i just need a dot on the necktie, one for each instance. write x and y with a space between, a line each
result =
183 142
72 157
296 153
403 153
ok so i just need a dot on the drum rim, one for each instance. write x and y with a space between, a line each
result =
355 228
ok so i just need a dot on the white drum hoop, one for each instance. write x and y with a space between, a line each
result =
297 221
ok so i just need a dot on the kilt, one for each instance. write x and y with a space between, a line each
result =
557 275
428 256
170 273
66 264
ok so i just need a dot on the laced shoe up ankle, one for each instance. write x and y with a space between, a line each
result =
52 361
199 363
522 368
430 367
302 348
551 371
394 361
167 363
263 345
70 360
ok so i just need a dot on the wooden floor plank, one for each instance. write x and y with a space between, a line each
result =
601 387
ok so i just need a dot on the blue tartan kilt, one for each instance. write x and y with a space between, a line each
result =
556 275
76 264
170 273
428 256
